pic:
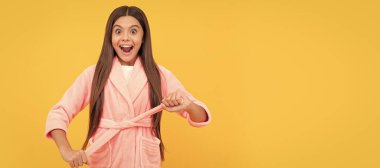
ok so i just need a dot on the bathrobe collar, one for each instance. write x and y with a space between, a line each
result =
137 81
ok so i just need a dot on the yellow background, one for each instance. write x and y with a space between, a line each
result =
290 84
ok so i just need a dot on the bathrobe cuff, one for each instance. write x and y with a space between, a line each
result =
194 123
53 127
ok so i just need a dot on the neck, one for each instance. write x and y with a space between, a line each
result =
129 63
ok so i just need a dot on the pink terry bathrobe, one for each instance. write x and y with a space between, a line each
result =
124 137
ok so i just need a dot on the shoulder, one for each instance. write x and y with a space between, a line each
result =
166 73
163 69
90 68
88 72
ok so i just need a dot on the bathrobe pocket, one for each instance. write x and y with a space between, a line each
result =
101 157
150 152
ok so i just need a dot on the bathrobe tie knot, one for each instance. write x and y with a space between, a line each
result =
142 120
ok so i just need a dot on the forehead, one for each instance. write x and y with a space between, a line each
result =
126 21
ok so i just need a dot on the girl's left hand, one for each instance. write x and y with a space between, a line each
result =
176 102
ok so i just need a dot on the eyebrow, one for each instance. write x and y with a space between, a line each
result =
122 26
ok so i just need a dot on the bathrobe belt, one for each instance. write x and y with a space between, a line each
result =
114 128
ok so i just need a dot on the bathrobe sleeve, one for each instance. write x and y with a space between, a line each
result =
173 84
75 99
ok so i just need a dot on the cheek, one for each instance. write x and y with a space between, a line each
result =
139 46
114 42
138 40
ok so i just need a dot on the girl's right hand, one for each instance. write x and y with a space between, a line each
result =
75 158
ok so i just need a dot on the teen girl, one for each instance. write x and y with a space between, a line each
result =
126 91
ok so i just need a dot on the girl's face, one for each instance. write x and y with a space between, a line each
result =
127 35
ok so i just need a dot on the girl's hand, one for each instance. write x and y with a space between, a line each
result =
176 102
75 158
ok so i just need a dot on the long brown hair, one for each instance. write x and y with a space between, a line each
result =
104 66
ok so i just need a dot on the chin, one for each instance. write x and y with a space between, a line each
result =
127 59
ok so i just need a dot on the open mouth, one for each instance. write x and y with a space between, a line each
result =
126 48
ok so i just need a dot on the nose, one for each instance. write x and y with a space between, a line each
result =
125 36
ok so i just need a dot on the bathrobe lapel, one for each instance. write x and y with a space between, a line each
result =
136 84
138 80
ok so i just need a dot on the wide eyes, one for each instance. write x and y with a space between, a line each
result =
133 31
117 31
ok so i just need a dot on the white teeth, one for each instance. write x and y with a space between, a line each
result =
125 46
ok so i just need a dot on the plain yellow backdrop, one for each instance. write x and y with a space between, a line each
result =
290 84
